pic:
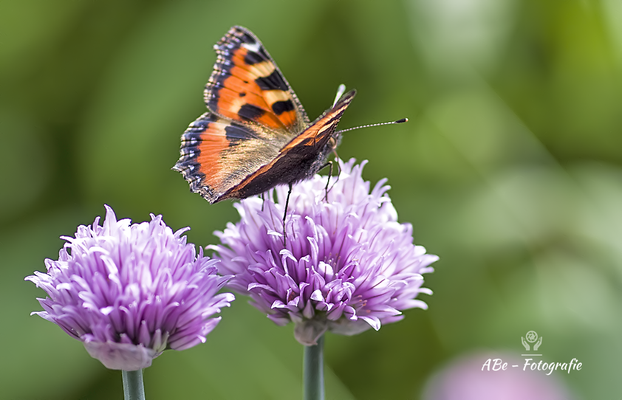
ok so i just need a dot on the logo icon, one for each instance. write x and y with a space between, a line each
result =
531 337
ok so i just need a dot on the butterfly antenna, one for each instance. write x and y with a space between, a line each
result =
399 121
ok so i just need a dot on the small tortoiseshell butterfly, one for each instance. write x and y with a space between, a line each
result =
255 135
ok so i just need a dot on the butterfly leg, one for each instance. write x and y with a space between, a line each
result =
263 200
330 174
289 192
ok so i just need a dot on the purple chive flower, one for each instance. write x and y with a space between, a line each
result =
347 266
129 292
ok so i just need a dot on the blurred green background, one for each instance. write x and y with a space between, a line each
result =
509 170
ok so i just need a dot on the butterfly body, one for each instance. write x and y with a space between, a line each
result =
256 134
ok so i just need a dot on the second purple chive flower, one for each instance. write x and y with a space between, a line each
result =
131 291
347 265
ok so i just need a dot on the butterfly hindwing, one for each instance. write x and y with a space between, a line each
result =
217 154
247 86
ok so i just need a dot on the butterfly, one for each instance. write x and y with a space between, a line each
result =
256 134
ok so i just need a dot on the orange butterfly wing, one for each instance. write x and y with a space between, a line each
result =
217 154
247 86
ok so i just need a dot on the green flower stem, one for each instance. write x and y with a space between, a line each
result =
133 387
313 371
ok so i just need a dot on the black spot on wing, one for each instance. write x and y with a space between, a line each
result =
274 81
250 111
263 53
280 107
247 38
253 58
236 134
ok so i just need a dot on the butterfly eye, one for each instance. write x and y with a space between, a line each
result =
332 143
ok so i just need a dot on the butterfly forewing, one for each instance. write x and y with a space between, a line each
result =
247 86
